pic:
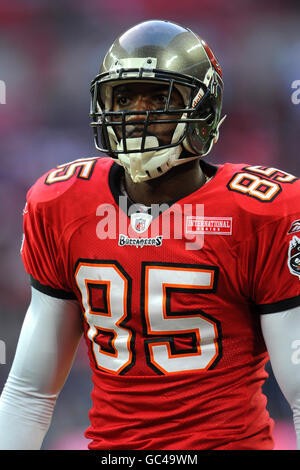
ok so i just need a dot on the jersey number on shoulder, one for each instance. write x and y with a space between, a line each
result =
112 341
83 169
260 182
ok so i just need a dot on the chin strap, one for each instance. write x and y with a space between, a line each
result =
212 142
216 135
143 166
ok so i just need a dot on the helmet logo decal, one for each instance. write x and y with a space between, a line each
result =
212 58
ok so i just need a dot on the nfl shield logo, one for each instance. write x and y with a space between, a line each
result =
140 221
140 225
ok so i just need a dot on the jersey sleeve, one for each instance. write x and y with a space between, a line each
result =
41 253
270 264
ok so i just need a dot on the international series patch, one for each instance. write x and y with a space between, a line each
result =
208 225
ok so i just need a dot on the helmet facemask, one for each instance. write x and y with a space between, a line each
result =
145 157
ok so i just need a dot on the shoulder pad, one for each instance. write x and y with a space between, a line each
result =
264 190
57 181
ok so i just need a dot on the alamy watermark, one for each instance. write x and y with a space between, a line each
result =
2 352
2 343
2 92
149 229
295 358
139 227
296 94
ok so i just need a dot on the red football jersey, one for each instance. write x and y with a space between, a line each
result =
170 298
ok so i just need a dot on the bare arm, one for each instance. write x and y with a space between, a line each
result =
282 336
46 349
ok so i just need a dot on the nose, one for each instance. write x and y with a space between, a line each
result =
141 103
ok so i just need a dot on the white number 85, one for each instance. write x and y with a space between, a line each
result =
161 325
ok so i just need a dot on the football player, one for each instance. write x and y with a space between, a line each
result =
183 276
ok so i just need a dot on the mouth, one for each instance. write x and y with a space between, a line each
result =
138 131
131 131
134 131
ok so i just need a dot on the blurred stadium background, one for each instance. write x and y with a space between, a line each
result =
49 53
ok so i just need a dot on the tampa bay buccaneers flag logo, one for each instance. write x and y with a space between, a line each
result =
294 256
295 227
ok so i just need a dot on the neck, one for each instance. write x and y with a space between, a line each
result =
177 183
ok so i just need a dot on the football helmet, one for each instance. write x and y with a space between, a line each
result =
166 53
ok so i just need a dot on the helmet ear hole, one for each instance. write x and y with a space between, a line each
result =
210 119
206 113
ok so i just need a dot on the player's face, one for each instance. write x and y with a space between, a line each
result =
146 97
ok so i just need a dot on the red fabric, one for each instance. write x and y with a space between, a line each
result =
174 343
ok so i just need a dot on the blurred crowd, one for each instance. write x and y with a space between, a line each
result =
50 52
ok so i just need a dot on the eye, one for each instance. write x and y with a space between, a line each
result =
122 100
162 99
